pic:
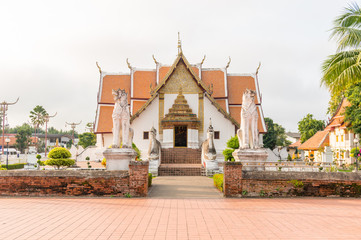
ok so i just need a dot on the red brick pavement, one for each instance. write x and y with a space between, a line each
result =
120 218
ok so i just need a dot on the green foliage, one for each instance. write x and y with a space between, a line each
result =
343 69
13 166
3 169
40 163
353 112
296 183
23 138
38 156
233 143
150 177
244 193
87 139
356 152
218 181
308 126
59 153
127 195
104 162
137 150
262 193
227 153
37 115
289 158
87 158
60 162
275 136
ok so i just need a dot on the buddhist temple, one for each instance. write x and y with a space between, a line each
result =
179 101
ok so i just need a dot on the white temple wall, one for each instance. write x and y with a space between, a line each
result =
108 139
220 123
168 138
147 119
192 100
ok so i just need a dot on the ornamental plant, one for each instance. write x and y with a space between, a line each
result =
232 145
59 157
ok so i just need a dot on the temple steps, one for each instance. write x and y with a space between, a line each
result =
180 170
181 156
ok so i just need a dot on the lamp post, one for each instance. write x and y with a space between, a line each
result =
4 107
7 140
356 140
72 125
46 119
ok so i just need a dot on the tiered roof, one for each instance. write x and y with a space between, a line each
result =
224 90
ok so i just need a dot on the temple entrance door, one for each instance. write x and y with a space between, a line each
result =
180 136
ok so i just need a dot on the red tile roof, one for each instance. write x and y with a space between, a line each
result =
320 139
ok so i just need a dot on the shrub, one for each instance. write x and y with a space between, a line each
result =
289 158
232 145
13 166
227 153
3 169
104 162
218 181
59 153
60 162
38 156
87 158
150 177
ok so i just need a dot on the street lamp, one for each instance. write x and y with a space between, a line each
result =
356 140
7 140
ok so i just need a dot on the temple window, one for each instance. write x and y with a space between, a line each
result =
145 135
216 135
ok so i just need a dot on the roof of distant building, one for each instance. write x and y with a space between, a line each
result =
320 139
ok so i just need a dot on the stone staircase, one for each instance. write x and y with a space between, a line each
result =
180 162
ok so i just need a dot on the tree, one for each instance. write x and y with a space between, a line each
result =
275 136
23 137
59 157
353 112
343 69
308 126
87 139
37 116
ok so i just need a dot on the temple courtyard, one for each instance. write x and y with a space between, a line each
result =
180 208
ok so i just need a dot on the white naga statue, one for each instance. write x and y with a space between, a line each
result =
208 149
122 133
248 133
154 146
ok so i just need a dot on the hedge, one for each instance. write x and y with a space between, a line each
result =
218 181
150 177
13 166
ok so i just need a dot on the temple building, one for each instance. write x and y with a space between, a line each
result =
180 101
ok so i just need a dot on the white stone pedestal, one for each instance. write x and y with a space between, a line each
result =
153 166
119 158
251 159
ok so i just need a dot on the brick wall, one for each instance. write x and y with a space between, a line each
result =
288 184
76 183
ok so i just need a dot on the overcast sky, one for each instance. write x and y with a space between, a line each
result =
48 49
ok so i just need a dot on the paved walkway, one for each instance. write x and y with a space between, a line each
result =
183 187
120 218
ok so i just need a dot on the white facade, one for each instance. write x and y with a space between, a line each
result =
341 143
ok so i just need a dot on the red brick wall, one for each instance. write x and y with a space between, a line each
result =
232 179
287 184
76 183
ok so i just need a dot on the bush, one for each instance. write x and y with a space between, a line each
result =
3 169
38 156
60 162
232 145
218 181
289 158
150 177
13 166
87 158
104 162
227 153
59 153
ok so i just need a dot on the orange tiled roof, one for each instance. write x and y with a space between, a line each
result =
295 144
338 118
12 138
320 139
227 91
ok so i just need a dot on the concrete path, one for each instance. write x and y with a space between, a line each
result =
158 219
183 187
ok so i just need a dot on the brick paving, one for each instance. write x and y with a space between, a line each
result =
147 218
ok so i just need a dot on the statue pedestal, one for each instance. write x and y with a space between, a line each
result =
119 158
251 159
153 166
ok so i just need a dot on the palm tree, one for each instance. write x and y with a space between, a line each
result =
343 69
37 117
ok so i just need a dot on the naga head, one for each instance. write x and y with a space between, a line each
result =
249 94
153 132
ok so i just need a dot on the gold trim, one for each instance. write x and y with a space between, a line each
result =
161 112
201 112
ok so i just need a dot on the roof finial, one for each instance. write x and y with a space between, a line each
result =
179 44
259 65
229 61
129 66
100 70
155 60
